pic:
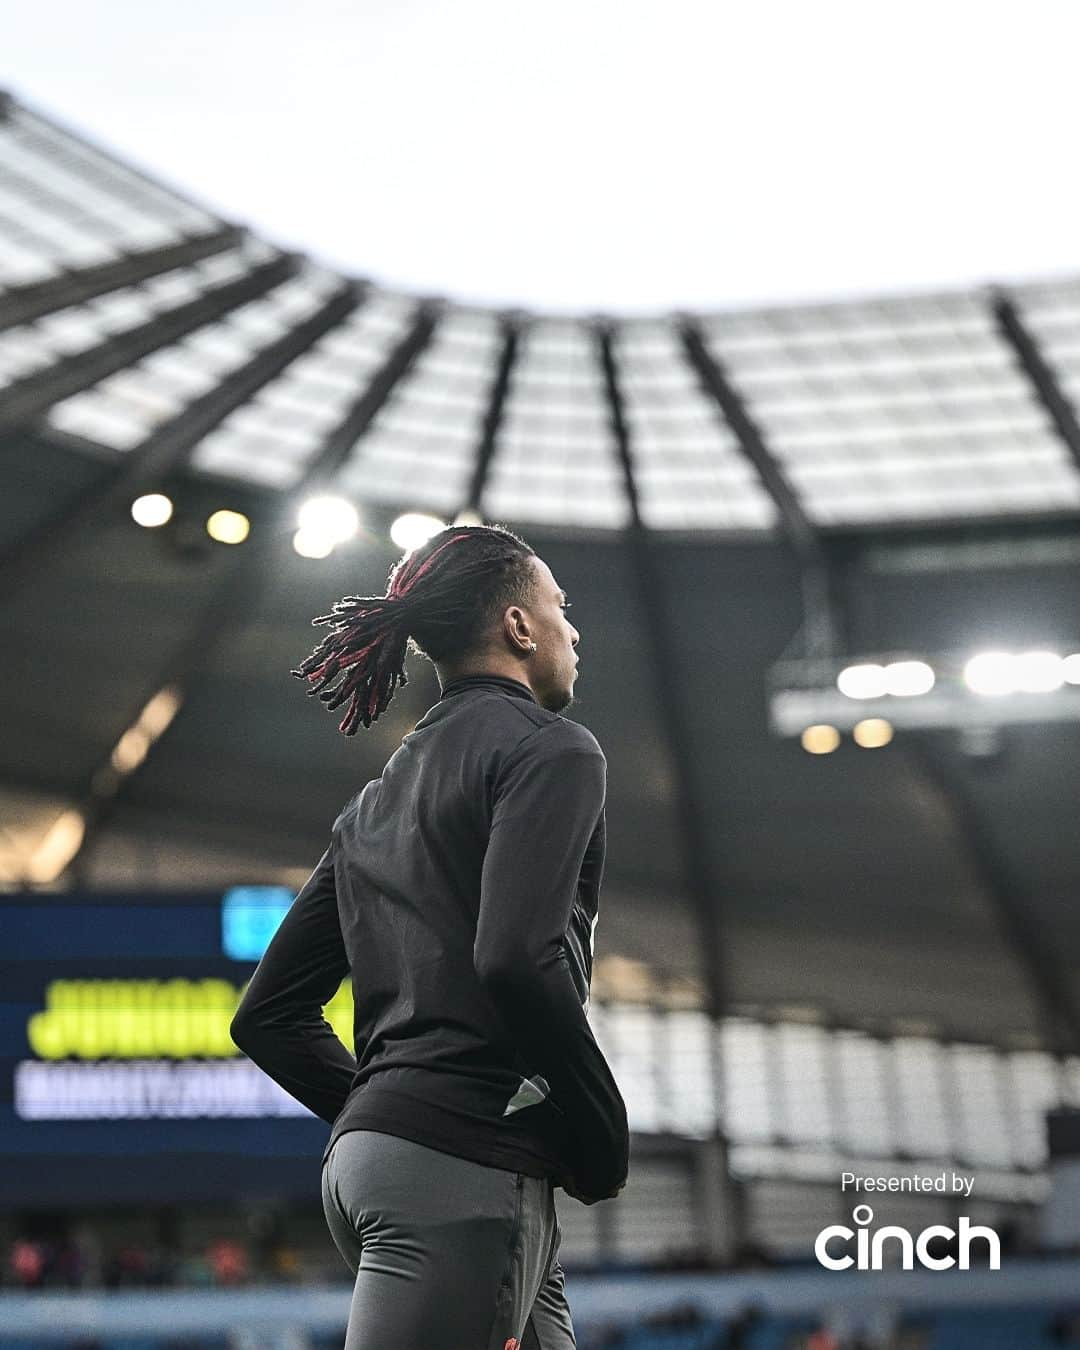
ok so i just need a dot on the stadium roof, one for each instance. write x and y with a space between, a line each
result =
125 304
144 341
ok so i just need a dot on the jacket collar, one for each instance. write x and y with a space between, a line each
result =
462 682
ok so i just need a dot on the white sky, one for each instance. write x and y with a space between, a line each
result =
595 154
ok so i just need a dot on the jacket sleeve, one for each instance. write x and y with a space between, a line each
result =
548 800
279 1023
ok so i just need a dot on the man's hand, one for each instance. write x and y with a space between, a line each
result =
568 1187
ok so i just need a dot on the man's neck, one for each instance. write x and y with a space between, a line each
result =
507 669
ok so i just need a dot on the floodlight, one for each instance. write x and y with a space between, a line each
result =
228 527
332 517
151 510
991 673
872 732
820 739
414 529
1039 672
312 544
862 681
905 679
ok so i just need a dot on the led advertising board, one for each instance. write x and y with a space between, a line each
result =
118 1078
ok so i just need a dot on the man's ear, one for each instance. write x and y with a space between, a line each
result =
516 626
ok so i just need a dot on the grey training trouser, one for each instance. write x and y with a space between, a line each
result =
448 1254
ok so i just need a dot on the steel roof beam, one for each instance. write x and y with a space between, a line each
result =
23 304
817 581
493 414
335 449
1038 372
170 445
663 652
26 399
714 381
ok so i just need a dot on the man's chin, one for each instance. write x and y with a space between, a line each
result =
558 700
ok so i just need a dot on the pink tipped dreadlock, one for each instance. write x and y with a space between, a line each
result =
364 653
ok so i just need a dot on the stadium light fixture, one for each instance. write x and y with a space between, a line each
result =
991 674
820 739
151 510
312 544
160 711
947 689
1034 672
1039 672
872 733
907 679
324 523
413 529
228 527
130 750
901 679
134 745
862 681
59 845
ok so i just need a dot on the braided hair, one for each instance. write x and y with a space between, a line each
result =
439 598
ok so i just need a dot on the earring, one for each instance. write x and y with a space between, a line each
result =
532 646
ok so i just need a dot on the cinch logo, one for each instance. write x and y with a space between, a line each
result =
870 1246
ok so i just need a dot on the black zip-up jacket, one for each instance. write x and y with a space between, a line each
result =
461 888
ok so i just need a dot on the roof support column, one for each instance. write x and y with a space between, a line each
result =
663 651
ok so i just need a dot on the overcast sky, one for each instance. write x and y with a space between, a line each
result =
595 154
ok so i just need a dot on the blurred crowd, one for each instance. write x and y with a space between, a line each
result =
741 1331
67 1253
79 1262
891 1331
70 1254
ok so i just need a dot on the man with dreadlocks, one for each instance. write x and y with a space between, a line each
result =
461 889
